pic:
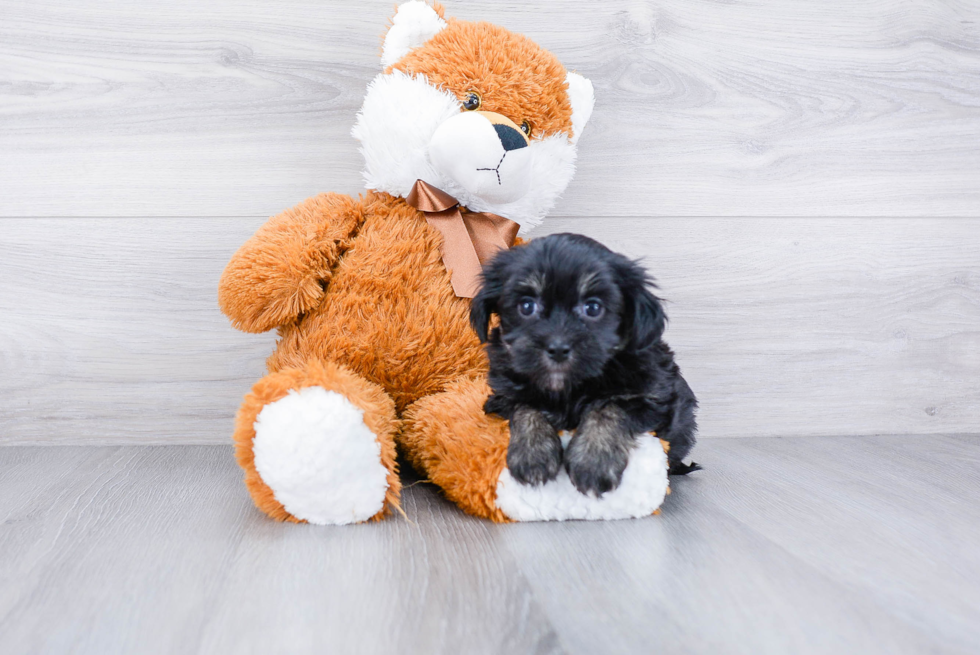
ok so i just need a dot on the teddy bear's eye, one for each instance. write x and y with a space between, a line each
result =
526 128
472 101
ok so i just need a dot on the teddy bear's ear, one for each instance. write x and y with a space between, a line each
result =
413 24
582 97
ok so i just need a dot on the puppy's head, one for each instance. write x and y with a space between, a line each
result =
567 306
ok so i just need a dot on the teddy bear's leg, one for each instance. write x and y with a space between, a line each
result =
449 438
463 450
317 445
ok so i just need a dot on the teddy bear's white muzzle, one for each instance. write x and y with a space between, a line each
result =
484 158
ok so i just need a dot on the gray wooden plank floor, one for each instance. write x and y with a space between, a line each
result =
811 544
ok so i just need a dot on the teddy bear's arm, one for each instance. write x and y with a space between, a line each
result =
283 269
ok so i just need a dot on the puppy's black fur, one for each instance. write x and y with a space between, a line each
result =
579 348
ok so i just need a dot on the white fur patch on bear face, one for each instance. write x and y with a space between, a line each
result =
398 118
397 128
468 149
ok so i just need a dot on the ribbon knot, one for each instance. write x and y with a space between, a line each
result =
469 239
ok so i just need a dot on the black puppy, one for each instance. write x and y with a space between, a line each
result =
579 348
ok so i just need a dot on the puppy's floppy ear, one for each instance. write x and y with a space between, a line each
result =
649 320
644 320
484 305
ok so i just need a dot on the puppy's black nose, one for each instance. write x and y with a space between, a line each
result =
558 350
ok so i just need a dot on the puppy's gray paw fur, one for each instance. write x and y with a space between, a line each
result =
599 451
534 453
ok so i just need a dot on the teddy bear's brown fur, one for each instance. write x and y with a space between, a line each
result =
364 304
360 283
358 286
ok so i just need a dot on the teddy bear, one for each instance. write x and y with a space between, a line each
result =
468 136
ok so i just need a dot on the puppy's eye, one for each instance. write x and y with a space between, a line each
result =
526 128
527 306
593 309
472 101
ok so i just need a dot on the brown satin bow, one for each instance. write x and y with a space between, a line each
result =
470 239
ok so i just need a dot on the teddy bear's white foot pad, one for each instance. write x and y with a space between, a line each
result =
640 493
321 461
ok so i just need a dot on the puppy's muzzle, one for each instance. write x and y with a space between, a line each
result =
558 350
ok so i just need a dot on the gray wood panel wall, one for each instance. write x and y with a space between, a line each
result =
803 179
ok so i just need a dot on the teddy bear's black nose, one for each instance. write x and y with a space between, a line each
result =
510 138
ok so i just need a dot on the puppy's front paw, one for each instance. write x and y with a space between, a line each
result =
599 451
594 470
534 453
535 465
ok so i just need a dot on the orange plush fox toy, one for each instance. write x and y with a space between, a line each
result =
468 136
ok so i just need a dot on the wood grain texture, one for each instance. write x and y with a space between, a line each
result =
110 332
821 544
817 326
892 499
159 550
705 108
809 545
